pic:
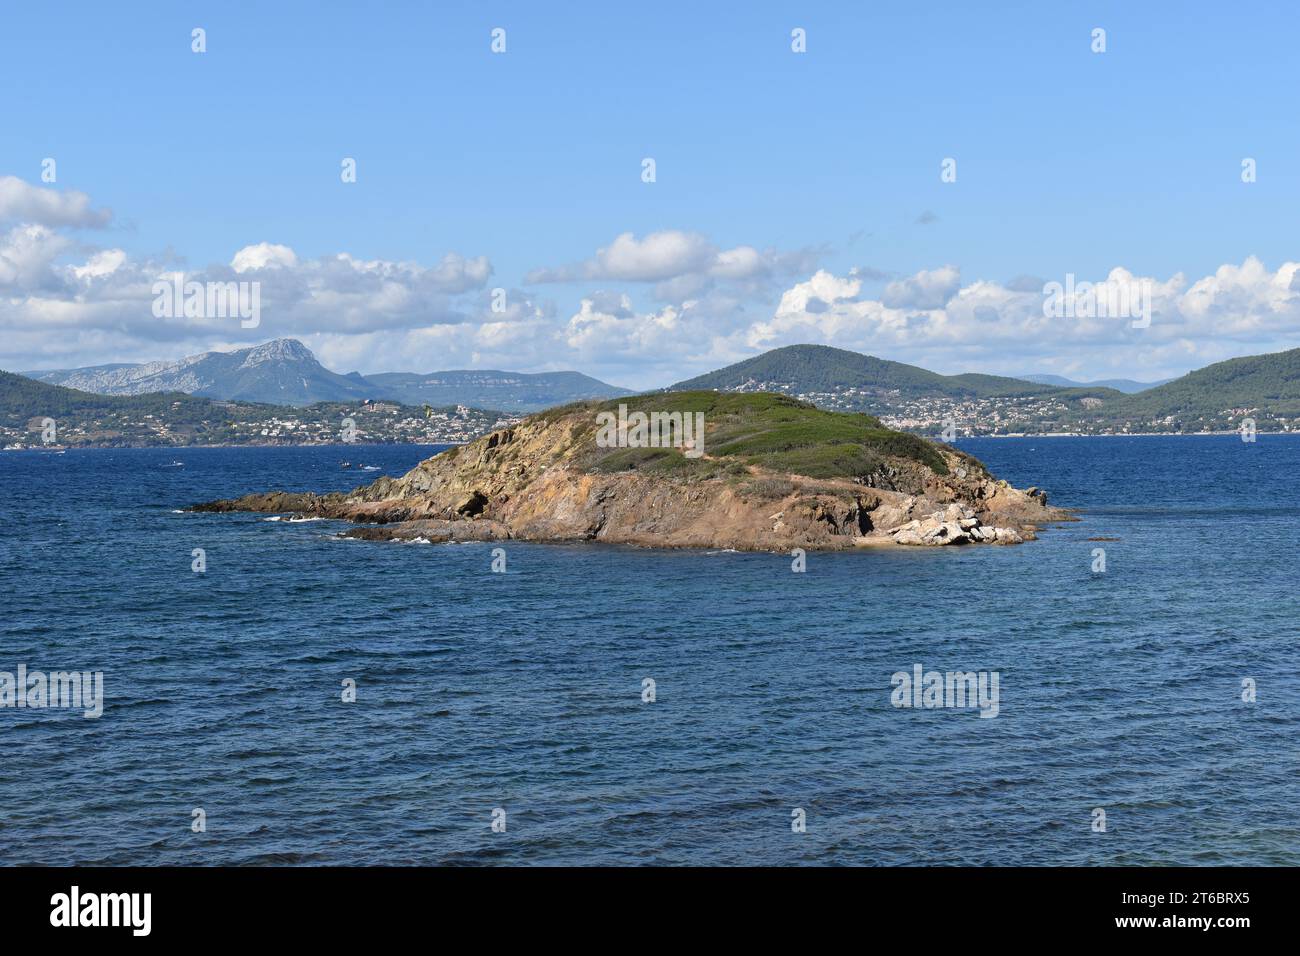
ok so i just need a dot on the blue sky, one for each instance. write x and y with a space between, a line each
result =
1068 161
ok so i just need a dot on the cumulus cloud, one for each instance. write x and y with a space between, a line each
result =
692 306
925 290
669 256
264 255
62 301
23 202
610 338
344 293
339 292
27 255
480 341
604 324
932 319
102 263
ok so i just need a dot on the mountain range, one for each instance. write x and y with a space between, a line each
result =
1265 388
35 414
1126 385
282 372
508 391
285 372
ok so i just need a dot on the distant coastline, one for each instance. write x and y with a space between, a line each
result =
435 442
141 447
1127 434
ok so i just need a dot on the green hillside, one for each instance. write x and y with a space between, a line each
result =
772 431
1266 387
85 419
22 398
807 369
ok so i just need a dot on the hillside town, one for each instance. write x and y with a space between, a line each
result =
240 423
1008 416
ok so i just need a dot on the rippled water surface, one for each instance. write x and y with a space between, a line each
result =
475 690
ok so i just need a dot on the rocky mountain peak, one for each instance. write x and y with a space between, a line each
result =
277 350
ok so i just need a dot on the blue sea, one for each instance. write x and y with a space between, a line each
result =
1119 691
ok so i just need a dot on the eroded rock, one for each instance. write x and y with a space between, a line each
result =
535 481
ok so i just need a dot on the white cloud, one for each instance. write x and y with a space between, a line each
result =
932 320
264 255
822 287
22 202
604 326
670 256
66 303
455 273
27 255
742 262
660 255
108 292
103 263
925 290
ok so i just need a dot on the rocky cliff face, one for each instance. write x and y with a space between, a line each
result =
546 479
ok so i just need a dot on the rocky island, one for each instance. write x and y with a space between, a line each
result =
761 471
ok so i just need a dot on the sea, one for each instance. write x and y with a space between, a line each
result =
275 694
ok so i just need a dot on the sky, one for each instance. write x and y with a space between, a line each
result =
501 215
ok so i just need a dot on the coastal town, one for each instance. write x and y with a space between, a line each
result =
1013 416
182 423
